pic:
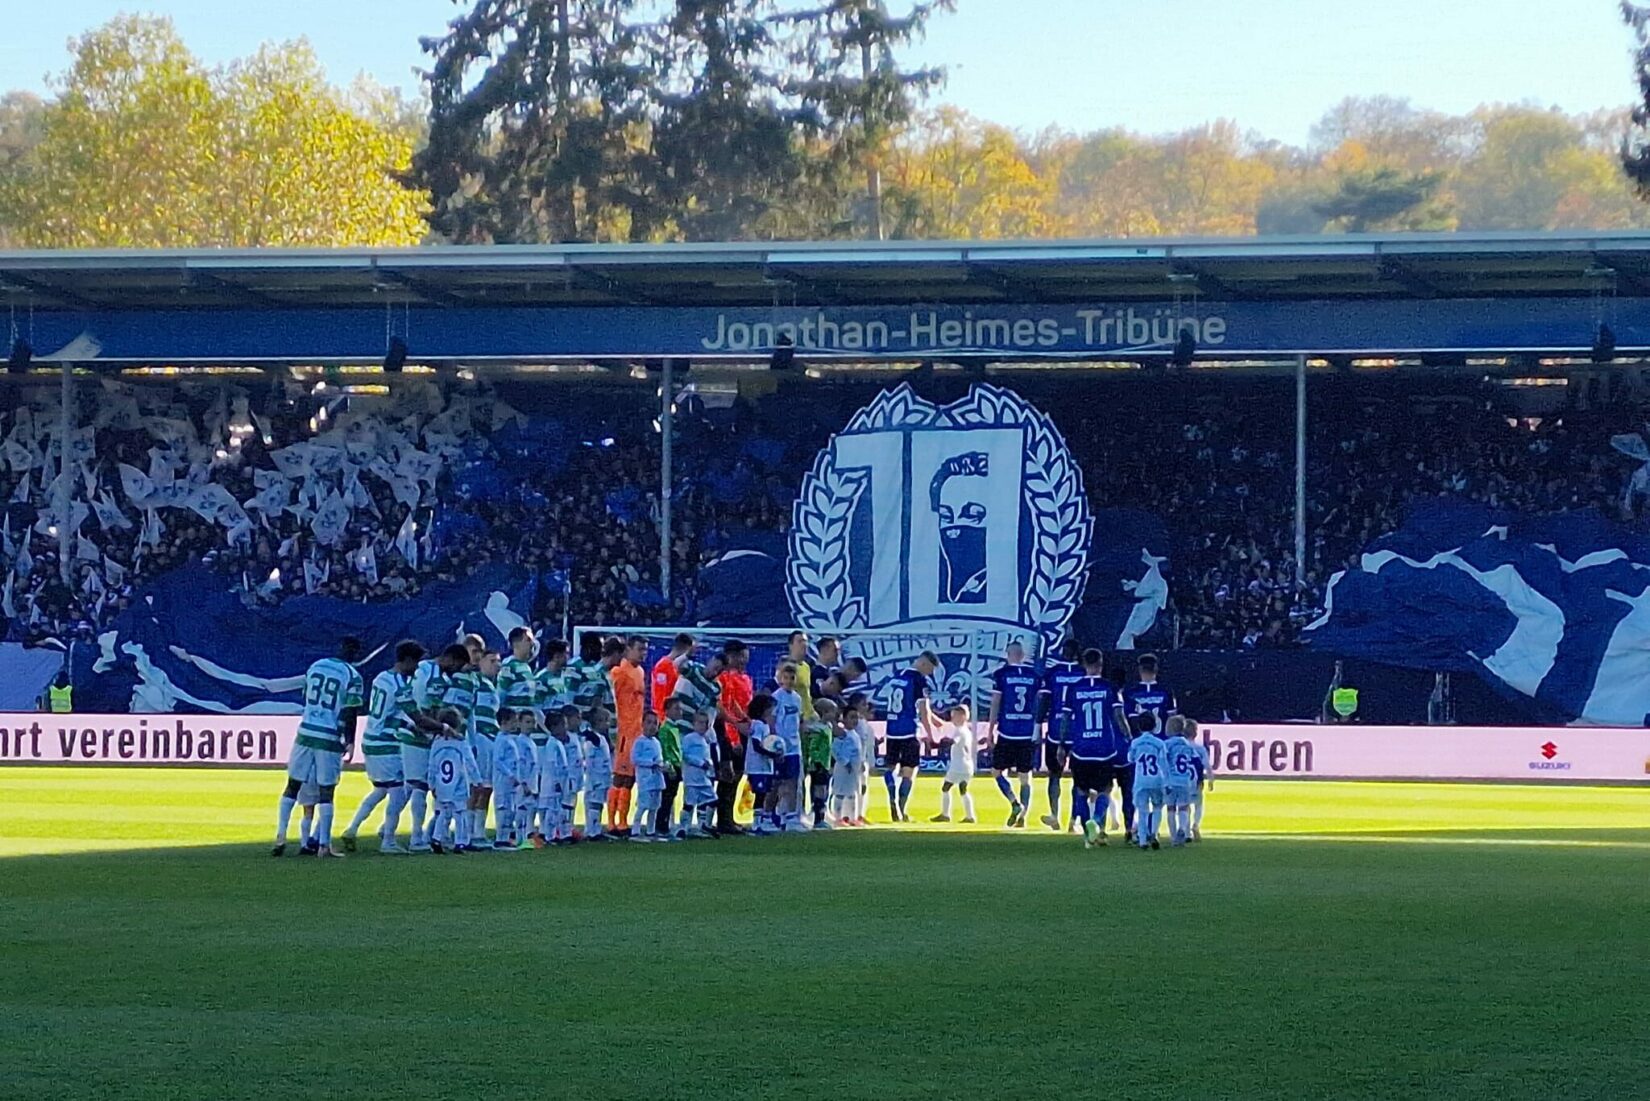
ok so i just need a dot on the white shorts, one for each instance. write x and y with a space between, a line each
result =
649 798
316 766
415 763
698 795
482 747
504 804
845 782
957 774
1177 795
309 794
1148 796
383 768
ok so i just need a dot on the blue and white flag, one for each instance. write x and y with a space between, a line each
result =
1556 609
189 642
406 540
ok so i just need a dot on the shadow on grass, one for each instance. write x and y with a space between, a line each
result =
890 843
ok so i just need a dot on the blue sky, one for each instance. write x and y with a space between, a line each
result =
1152 65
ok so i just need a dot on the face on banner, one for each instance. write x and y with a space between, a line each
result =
957 523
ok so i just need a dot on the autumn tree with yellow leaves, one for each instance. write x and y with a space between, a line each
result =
146 147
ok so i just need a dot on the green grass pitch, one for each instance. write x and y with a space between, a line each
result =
1326 940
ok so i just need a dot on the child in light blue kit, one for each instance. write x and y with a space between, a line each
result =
698 777
847 754
1151 765
649 758
1179 780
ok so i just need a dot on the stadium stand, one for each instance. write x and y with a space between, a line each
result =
563 479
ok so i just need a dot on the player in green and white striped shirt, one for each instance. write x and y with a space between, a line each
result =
555 682
518 685
432 681
390 713
326 733
483 733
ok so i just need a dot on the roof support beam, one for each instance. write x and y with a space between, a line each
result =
419 287
40 286
1400 272
586 279
245 295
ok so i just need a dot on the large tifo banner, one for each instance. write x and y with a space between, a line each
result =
1530 754
1555 609
189 643
956 528
79 739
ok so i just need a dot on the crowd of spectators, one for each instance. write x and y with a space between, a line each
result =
569 488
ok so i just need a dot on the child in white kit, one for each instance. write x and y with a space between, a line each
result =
528 731
552 780
964 758
856 719
649 758
698 777
452 770
846 757
506 767
598 773
575 773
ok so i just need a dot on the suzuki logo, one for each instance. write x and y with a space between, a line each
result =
1549 751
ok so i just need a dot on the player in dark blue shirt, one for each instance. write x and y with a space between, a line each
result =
1011 729
1149 705
907 712
1058 678
1099 744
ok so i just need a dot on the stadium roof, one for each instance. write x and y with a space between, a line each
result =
1278 269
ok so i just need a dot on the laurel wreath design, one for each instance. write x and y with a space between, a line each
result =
818 567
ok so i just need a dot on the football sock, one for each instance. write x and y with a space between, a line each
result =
1079 806
374 797
888 778
1006 788
283 821
968 805
392 814
461 829
417 802
306 826
323 822
1025 793
945 802
904 795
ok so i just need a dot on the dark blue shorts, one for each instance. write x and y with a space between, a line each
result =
1014 755
903 752
761 783
790 768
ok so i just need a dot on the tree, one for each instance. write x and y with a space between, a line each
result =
1380 197
534 107
146 147
1635 150
1514 176
1393 132
649 120
956 177
21 119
